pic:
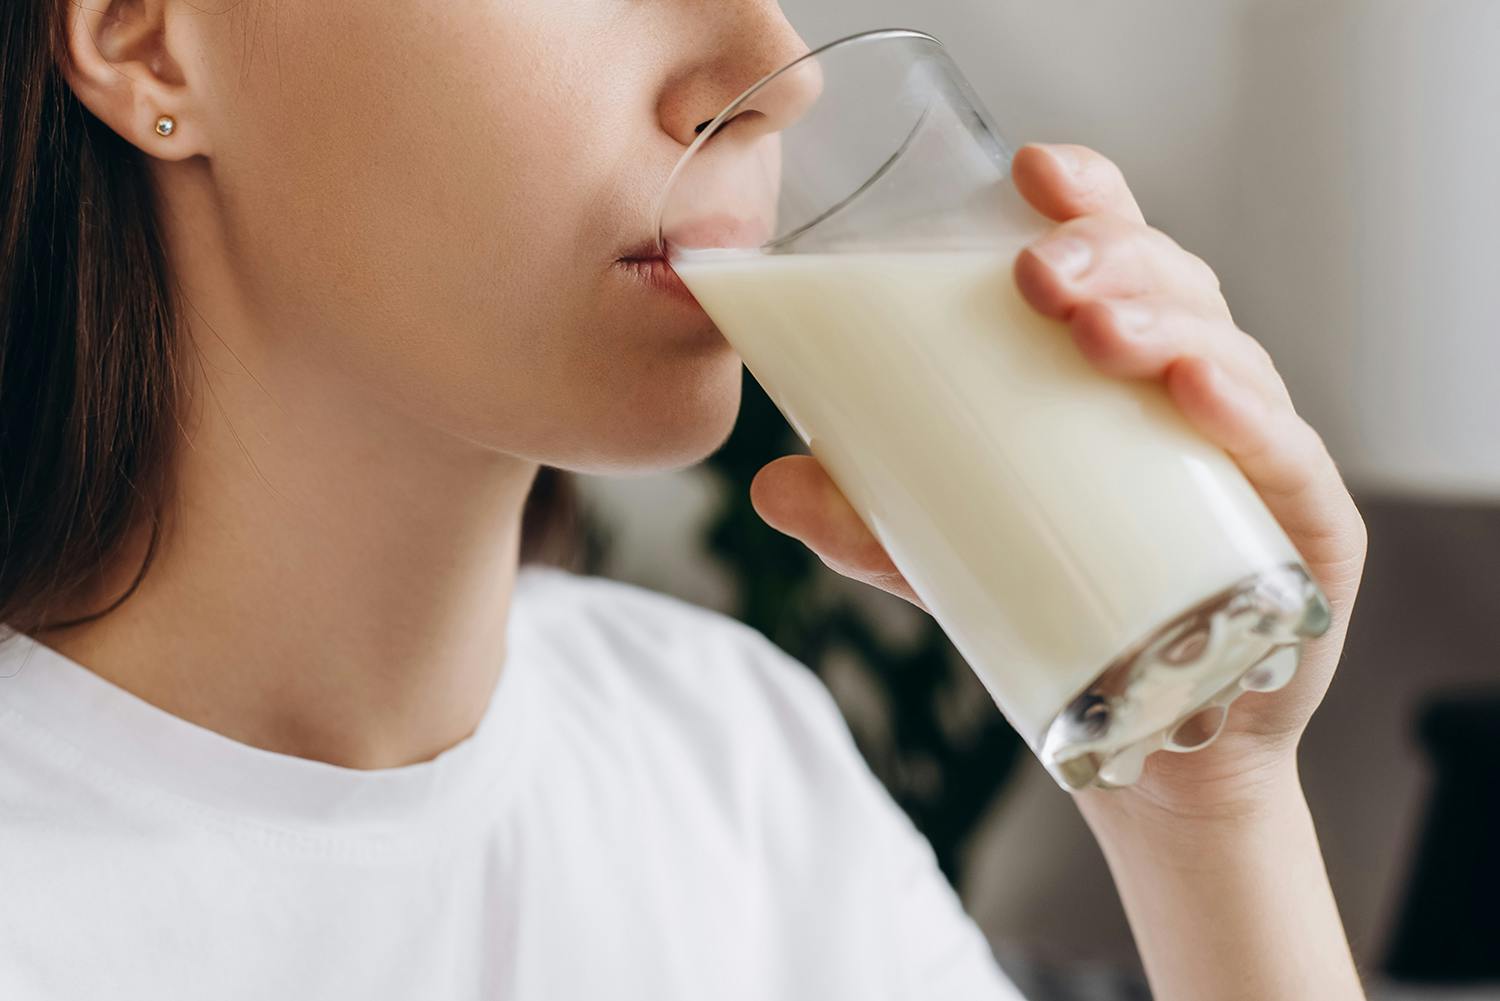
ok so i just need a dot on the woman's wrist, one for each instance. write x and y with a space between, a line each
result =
1225 887
1184 812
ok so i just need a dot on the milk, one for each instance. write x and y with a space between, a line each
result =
1048 516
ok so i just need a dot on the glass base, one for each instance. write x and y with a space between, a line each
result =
1172 691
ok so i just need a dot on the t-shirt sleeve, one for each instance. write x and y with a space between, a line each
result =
934 950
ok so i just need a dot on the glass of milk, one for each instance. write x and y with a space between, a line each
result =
1111 576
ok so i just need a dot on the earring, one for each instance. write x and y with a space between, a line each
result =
166 125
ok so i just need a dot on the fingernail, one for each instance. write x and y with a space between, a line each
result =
1067 256
1132 316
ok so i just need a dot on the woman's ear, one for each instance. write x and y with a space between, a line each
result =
122 65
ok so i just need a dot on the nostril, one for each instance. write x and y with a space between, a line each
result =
743 115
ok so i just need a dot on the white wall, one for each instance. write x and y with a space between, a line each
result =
1372 125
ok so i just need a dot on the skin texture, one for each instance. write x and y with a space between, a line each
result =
398 229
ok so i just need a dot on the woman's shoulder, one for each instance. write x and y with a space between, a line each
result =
621 643
554 592
618 626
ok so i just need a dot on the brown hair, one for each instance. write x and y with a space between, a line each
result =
89 370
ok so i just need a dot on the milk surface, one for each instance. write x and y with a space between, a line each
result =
1049 517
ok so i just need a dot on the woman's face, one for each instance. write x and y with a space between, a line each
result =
431 199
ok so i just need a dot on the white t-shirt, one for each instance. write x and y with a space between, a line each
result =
658 804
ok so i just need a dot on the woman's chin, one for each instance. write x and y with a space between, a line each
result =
673 428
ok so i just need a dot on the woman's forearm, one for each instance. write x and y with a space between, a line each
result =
1230 907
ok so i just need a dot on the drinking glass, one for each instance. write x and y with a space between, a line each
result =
850 225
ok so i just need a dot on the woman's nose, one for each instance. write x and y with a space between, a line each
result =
750 40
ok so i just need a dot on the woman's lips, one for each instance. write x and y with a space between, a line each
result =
656 273
646 263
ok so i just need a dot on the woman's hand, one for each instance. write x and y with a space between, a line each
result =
1140 307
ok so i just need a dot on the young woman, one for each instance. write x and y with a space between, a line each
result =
296 300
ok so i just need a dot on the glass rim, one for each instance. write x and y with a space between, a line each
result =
709 130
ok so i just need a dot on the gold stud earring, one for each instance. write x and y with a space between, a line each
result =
166 125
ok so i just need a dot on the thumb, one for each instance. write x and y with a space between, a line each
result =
796 496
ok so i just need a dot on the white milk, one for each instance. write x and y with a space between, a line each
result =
1048 516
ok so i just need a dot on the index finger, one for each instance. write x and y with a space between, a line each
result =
1063 182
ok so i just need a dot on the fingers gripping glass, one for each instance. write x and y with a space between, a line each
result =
1111 576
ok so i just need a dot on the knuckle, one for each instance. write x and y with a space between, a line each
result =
1111 177
1092 227
1312 439
1110 235
1198 271
1102 171
1141 257
1152 242
1259 357
1204 272
1086 154
1285 449
1100 181
1259 351
1096 330
1094 314
1305 449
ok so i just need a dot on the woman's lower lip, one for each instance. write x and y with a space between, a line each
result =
656 274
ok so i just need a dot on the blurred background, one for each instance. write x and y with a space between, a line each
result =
1336 162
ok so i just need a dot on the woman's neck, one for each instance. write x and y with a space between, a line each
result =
334 580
